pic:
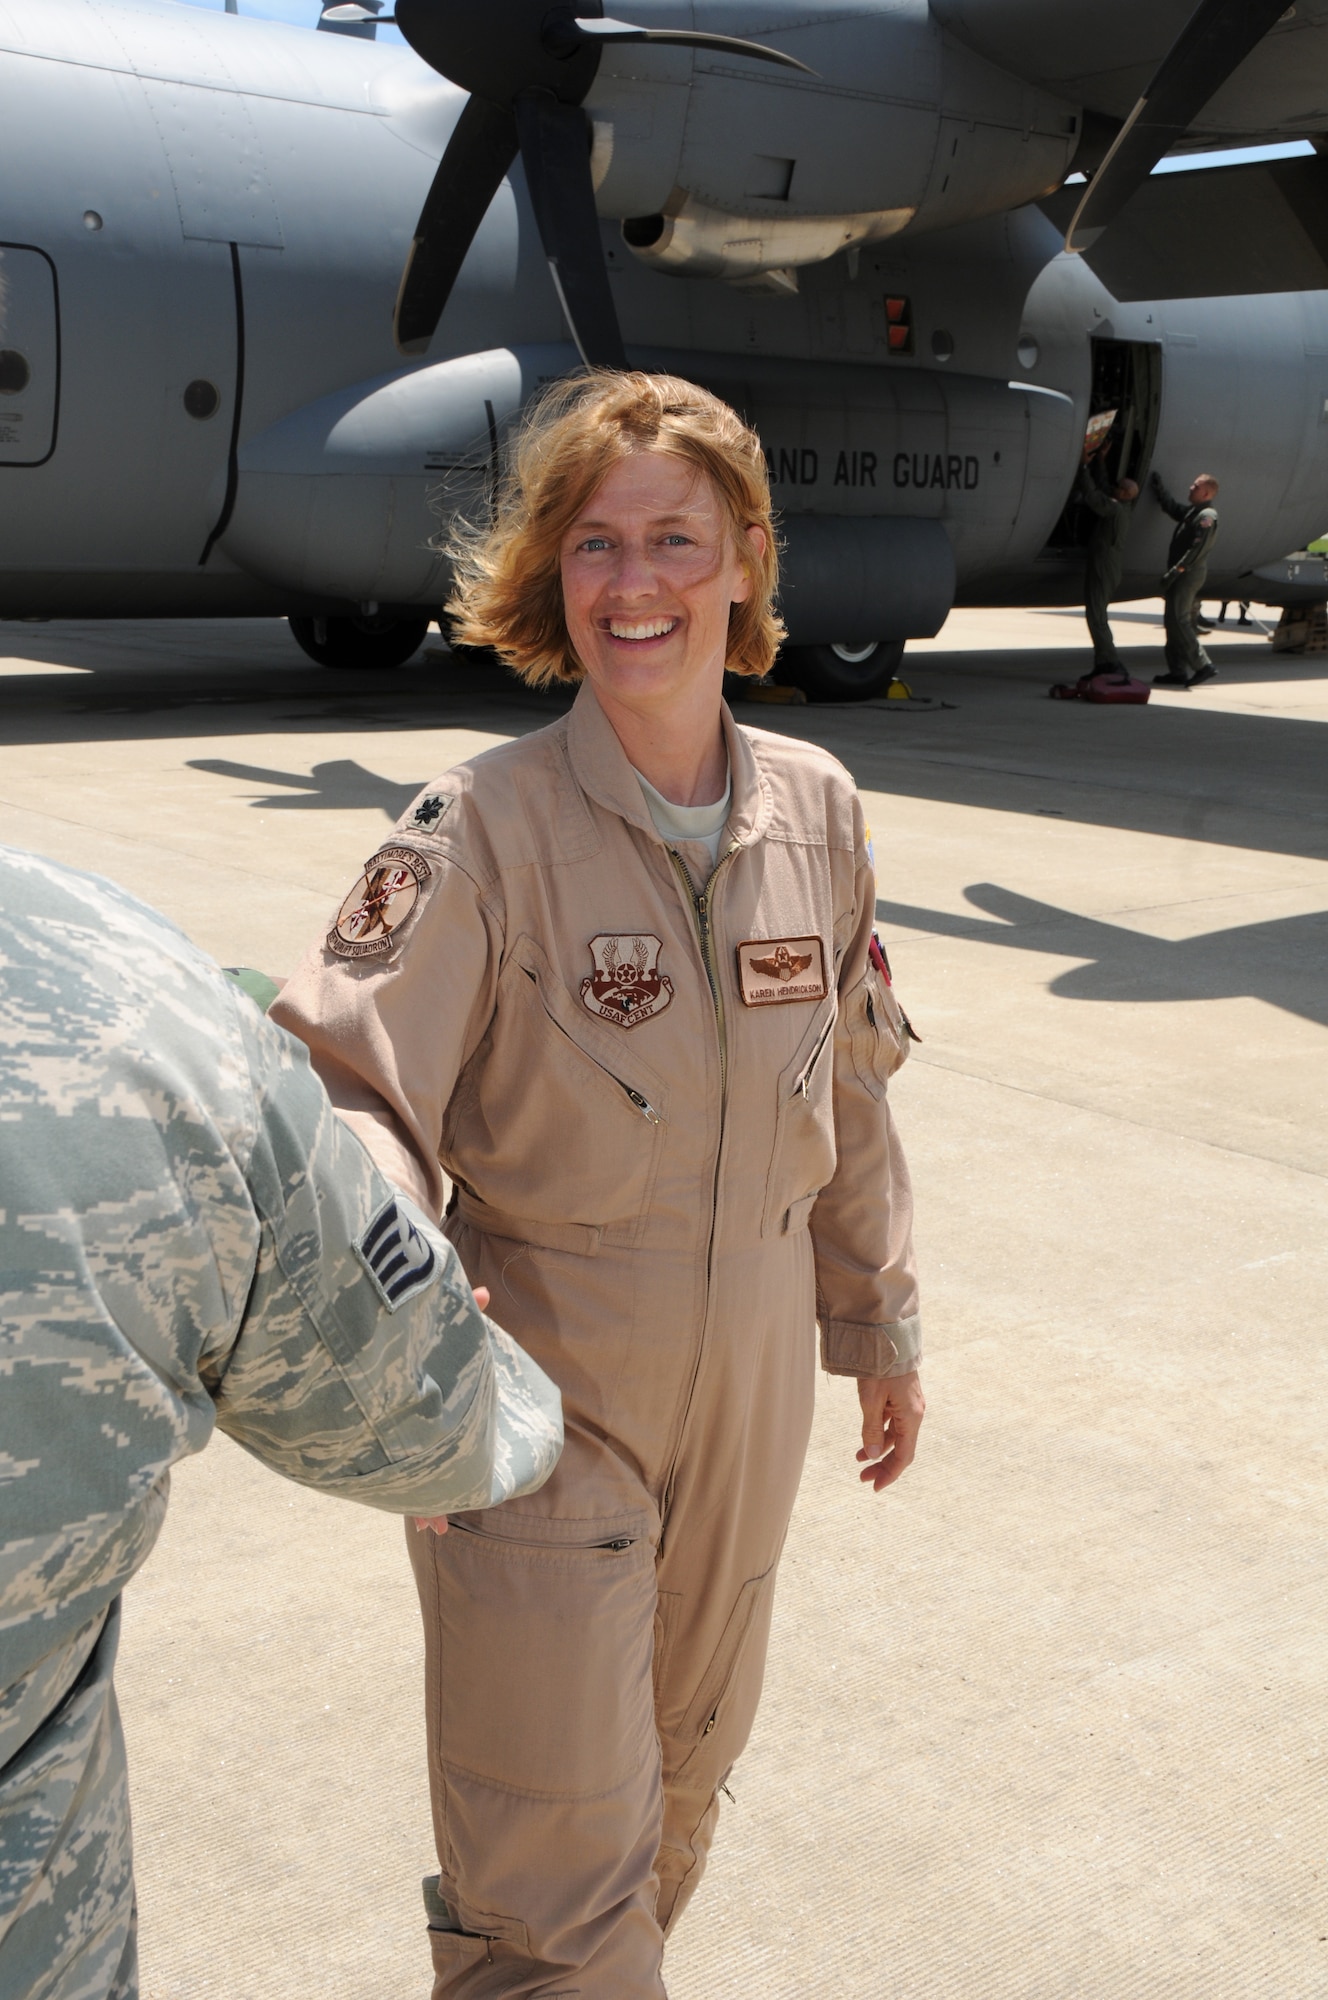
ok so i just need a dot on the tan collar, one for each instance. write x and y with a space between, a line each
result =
601 768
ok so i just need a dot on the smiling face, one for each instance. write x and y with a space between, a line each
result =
649 570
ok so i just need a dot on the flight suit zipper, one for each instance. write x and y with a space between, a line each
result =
700 900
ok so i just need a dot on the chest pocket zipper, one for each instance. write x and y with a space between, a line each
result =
646 1110
803 1084
634 1096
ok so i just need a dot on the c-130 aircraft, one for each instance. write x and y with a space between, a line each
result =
272 298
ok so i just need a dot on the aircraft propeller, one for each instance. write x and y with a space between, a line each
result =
528 72
1213 43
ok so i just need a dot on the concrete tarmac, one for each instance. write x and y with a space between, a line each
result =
1047 1719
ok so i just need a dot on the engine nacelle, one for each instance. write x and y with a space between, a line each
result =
726 170
346 497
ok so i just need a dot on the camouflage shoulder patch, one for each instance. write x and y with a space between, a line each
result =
430 809
380 905
398 1257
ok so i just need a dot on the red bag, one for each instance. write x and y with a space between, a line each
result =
1108 684
1116 684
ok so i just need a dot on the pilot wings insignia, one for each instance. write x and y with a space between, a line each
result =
782 964
775 970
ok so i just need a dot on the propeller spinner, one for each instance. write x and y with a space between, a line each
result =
528 70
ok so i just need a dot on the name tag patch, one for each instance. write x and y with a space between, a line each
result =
626 986
773 971
380 905
398 1257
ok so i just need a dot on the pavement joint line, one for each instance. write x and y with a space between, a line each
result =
1276 1594
138 840
1060 778
1120 1118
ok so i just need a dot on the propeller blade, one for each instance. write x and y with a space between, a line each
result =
555 151
562 34
1213 43
479 153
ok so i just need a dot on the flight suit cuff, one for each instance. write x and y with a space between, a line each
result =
849 1348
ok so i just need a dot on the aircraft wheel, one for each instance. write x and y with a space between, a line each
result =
372 643
841 672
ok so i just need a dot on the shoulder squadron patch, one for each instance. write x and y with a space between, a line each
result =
430 810
774 970
399 1259
626 986
380 905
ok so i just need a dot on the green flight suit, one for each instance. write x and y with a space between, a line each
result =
1102 570
1186 574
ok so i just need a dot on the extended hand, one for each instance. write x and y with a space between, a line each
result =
438 1522
892 1411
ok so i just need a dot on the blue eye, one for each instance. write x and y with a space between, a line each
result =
595 543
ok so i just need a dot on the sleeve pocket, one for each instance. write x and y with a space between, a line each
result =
879 1032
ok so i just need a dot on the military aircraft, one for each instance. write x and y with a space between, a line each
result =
272 298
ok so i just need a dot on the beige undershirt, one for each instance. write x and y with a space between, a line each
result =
701 825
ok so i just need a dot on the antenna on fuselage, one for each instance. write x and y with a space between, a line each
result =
352 17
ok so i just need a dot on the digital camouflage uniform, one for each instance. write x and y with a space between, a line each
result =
1106 558
188 1237
1187 571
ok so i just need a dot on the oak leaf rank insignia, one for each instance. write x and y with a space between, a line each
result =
626 985
430 810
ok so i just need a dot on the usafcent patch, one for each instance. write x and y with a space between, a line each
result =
626 986
380 905
397 1255
774 971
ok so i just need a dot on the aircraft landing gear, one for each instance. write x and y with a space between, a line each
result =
840 673
372 641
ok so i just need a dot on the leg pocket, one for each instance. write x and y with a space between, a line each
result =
719 1717
544 1663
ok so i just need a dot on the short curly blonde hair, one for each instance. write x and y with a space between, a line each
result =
507 580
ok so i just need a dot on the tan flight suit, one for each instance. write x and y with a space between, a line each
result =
543 1004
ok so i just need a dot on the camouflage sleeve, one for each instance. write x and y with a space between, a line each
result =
362 1365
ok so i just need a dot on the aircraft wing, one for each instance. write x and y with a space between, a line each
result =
1261 227
1102 53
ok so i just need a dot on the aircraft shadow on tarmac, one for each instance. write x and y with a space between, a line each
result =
340 785
1281 961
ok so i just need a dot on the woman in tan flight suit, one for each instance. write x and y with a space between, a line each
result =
619 980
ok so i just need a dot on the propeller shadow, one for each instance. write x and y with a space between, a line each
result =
332 787
1281 960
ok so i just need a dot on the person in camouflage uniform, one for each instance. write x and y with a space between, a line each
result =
189 1237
